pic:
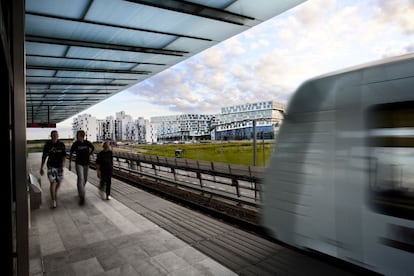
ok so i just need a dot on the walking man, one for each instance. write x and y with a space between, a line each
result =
83 149
55 152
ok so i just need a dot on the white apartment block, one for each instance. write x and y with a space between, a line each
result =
124 124
125 129
182 127
87 123
106 129
142 132
138 131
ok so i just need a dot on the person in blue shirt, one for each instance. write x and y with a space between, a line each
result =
83 149
55 152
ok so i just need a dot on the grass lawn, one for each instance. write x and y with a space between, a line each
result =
240 153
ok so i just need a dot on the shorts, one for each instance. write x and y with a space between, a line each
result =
55 174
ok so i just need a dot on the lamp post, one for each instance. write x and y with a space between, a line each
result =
254 144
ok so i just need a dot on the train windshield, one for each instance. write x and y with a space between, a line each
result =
391 147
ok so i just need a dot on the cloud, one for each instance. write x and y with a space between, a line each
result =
315 12
272 59
399 12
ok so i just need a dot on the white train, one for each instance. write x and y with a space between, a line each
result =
341 178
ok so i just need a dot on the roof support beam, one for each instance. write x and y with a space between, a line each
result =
28 83
197 10
94 59
79 78
69 90
115 26
105 46
65 93
66 100
85 69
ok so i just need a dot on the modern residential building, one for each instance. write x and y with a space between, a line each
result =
237 122
119 128
123 126
184 127
233 123
106 129
87 123
142 131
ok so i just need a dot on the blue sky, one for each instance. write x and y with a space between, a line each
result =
268 61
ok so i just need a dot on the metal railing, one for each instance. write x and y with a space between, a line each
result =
228 181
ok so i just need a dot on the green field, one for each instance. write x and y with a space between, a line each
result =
240 153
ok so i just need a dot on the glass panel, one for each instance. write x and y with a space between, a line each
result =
391 141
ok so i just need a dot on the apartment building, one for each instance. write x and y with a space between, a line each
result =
184 127
237 122
88 123
233 123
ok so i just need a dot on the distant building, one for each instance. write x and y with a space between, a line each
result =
142 132
87 123
236 122
124 128
106 129
184 127
233 123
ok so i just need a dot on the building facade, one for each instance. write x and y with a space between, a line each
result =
142 132
124 128
106 129
237 122
88 123
233 123
184 127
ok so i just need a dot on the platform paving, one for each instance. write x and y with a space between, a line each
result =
105 237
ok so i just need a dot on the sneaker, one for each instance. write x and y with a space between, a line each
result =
108 197
54 204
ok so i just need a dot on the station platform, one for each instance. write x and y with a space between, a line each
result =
138 233
104 237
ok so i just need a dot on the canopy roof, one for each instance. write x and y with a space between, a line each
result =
80 52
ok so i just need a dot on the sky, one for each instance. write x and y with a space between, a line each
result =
268 61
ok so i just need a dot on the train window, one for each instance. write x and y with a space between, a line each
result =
391 147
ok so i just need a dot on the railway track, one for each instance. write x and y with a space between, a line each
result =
227 210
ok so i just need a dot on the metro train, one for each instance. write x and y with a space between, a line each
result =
341 178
